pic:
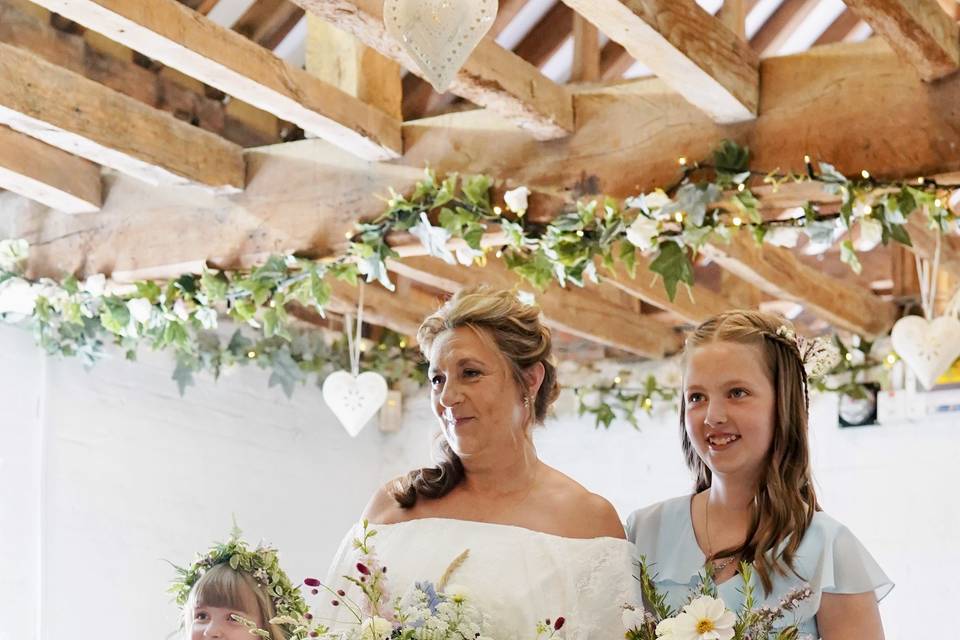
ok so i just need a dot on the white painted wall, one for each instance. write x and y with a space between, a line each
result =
124 474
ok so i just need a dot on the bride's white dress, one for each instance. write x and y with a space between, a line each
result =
516 576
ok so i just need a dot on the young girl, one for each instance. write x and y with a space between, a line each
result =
744 431
228 603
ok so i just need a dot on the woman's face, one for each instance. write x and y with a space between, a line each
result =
219 622
474 393
730 408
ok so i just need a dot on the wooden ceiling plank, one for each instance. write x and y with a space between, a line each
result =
180 38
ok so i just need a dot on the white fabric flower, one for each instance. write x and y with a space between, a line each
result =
632 619
207 317
140 309
782 236
642 232
516 199
647 202
180 310
13 254
467 255
18 296
375 628
95 285
871 234
705 618
954 201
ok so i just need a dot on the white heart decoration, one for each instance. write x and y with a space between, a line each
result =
929 348
354 400
439 34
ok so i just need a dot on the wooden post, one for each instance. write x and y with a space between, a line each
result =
733 13
586 51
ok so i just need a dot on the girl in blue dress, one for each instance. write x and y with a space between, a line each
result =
744 430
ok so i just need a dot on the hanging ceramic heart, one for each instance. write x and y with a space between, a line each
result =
439 34
354 400
928 348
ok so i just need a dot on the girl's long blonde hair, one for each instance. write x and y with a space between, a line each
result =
785 499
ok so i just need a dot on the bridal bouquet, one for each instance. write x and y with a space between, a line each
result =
706 616
428 611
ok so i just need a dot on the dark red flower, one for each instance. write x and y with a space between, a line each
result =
559 623
311 582
362 568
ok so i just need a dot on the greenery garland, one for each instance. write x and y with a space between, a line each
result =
75 318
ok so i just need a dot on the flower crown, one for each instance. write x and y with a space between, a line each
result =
818 355
264 567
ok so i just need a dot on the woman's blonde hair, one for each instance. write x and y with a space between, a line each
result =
222 586
785 500
516 331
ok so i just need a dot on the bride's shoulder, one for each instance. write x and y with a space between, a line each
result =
383 507
585 514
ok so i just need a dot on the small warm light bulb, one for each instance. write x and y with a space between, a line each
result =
865 174
920 180
678 216
497 210
273 304
647 403
741 187
892 358
251 354
617 380
348 235
499 253
579 233
849 357
938 203
806 159
737 221
403 344
867 209
682 161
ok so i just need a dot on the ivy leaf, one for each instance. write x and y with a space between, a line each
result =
239 344
628 255
899 233
673 263
286 372
214 285
849 256
514 231
605 415
183 375
320 291
731 157
476 189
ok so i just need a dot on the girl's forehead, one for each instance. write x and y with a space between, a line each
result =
721 359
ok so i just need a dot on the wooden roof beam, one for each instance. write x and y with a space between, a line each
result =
492 77
780 273
693 52
194 45
87 119
591 312
48 175
267 22
839 29
547 36
920 31
780 25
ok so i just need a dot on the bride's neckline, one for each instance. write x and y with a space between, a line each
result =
483 524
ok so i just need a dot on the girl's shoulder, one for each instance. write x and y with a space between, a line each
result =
650 520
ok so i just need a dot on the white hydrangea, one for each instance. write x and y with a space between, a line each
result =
516 199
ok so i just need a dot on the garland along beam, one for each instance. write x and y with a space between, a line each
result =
831 102
594 312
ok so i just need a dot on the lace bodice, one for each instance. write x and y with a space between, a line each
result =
515 575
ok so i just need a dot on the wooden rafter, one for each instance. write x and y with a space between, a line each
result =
687 48
781 274
586 51
592 312
614 61
781 25
547 36
48 175
400 313
111 129
839 29
27 26
491 77
338 58
176 36
267 22
920 31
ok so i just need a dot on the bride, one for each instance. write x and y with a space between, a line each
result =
540 545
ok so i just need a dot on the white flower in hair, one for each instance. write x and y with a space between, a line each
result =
819 355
